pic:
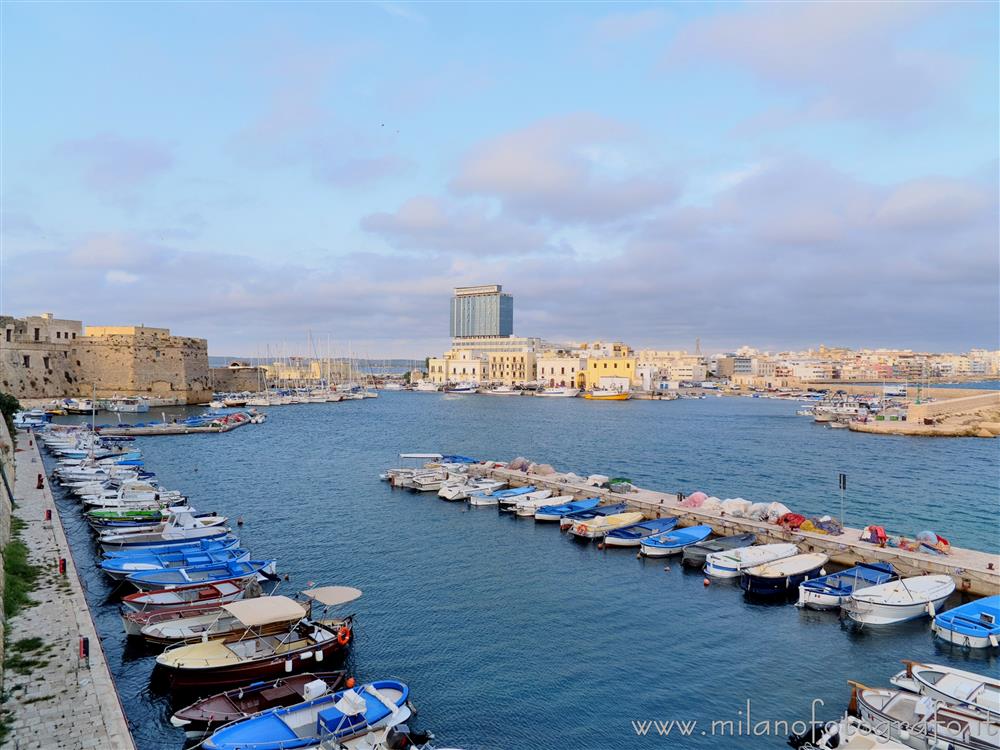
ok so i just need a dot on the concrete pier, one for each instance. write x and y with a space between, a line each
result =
974 572
67 703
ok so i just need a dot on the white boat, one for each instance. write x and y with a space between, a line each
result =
463 388
391 386
731 562
426 387
462 490
127 405
427 481
599 526
217 404
957 687
559 392
509 504
900 600
850 733
527 507
502 390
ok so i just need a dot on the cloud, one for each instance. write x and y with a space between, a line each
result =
622 27
362 170
565 169
425 223
404 11
121 277
841 59
115 165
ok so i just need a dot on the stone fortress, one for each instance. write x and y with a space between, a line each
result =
43 357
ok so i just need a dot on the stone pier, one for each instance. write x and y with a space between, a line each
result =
56 699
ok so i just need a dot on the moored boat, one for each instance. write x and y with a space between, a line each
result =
596 528
607 394
487 497
673 541
782 577
695 555
829 592
528 505
569 519
197 574
632 535
559 392
184 596
957 687
556 512
899 600
120 567
730 563
170 627
975 624
508 503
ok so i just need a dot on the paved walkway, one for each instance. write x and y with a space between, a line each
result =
64 704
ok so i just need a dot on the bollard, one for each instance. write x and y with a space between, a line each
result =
84 647
62 566
41 482
48 514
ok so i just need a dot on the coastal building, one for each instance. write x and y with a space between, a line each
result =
512 368
609 372
481 311
560 368
47 357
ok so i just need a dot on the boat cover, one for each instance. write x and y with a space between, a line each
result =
265 610
333 595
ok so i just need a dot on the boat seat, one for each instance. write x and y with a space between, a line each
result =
321 635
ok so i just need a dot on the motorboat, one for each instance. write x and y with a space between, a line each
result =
695 555
957 687
255 655
118 568
923 723
184 527
601 526
502 390
205 715
462 489
559 392
508 503
607 394
673 541
567 521
528 506
849 733
428 481
633 534
204 545
781 577
329 719
462 388
164 628
900 600
494 497
731 562
127 405
236 571
425 387
556 512
829 592
974 625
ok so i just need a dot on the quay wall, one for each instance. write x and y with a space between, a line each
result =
238 379
961 405
6 509
974 572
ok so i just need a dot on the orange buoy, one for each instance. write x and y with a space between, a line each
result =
706 581
350 683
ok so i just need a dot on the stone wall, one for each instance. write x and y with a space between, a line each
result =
962 405
238 379
35 356
6 508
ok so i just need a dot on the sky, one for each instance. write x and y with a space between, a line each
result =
266 175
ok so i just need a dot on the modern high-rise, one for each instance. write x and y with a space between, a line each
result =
481 311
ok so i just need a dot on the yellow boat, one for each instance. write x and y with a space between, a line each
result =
607 395
593 528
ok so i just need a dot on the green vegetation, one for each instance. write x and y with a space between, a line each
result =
20 575
8 407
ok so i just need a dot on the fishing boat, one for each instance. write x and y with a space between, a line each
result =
559 392
556 512
502 390
164 628
899 600
632 535
567 521
494 497
596 528
198 574
183 527
204 594
781 577
508 503
329 719
527 506
425 387
607 394
974 625
849 733
462 490
922 723
695 555
205 715
118 568
829 592
239 660
204 545
732 562
673 541
127 405
971 691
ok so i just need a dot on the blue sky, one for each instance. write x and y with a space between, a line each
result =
780 174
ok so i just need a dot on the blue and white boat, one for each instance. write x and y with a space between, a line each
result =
781 577
203 545
975 625
494 498
829 592
330 719
121 567
569 519
202 574
673 542
631 536
556 512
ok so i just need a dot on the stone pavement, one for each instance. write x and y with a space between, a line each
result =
64 703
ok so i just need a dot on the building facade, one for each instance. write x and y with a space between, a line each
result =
481 311
512 368
560 368
36 356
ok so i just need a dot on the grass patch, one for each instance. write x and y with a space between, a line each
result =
19 576
20 664
28 645
38 699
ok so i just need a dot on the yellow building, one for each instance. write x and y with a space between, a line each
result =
512 368
609 367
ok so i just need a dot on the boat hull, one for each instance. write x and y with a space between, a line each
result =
779 585
967 641
868 613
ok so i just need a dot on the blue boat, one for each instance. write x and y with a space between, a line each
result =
201 574
631 536
329 719
673 542
587 513
204 545
556 512
829 592
975 625
121 567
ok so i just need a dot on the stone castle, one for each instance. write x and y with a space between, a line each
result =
45 357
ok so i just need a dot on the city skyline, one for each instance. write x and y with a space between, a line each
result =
653 174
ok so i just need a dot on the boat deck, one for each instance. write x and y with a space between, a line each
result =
974 572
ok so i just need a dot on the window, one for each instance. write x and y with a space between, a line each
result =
605 365
37 333
45 362
8 335
562 370
74 334
58 334
27 360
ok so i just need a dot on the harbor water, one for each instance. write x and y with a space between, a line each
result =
510 634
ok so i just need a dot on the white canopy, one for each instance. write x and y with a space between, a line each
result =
333 595
351 704
265 610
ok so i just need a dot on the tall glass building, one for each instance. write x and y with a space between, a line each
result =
481 311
